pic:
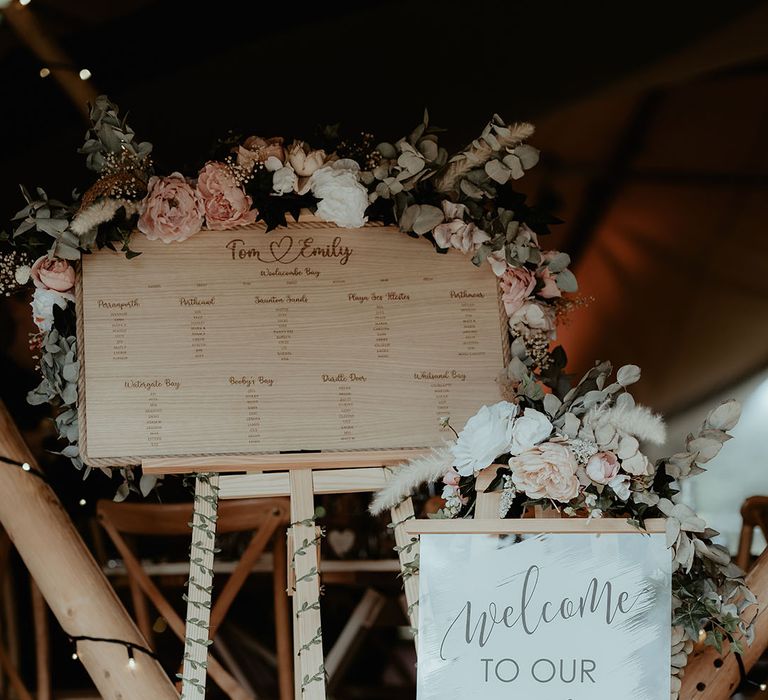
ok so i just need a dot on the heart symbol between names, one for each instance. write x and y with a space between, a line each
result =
276 248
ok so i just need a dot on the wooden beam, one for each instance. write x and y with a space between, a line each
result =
712 676
70 580
51 55
223 464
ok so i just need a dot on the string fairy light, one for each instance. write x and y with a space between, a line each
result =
130 647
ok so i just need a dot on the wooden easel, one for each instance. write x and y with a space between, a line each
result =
301 476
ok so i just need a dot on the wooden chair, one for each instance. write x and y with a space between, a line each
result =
754 513
267 518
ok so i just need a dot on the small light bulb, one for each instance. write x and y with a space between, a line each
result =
85 74
763 686
26 467
75 657
82 501
24 3
45 72
131 663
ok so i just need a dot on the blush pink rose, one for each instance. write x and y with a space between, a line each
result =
226 204
602 467
457 233
53 273
549 290
172 210
546 471
517 283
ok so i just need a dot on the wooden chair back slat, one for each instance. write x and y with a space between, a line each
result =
172 519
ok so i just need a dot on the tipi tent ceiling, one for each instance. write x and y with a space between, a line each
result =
653 129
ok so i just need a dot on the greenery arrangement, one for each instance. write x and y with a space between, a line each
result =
465 201
578 451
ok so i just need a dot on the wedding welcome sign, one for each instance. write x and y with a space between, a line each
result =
551 616
309 338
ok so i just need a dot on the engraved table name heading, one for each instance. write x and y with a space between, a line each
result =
130 304
153 384
288 250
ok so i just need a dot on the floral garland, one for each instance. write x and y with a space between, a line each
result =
465 201
579 452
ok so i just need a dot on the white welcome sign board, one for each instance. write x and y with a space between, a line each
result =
551 616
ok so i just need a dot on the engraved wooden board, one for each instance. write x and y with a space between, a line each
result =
305 338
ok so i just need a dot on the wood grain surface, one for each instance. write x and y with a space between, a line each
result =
304 338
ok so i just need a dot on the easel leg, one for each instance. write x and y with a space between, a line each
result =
200 585
308 637
408 551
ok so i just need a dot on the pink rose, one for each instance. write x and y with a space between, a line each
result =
173 210
550 288
457 233
546 471
226 204
258 150
53 273
602 467
517 283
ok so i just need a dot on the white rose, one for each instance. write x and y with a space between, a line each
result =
284 180
529 430
486 435
43 301
620 486
343 200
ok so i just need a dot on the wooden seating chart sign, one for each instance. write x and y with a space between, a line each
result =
310 338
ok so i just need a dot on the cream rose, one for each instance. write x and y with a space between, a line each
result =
284 180
226 204
173 210
343 199
52 273
537 316
303 159
517 283
602 467
529 430
486 435
546 471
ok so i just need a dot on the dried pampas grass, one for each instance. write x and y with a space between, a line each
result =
101 211
409 476
638 421
480 152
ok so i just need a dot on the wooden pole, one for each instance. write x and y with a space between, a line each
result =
71 582
710 676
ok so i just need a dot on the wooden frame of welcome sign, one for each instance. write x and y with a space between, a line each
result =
556 609
315 356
